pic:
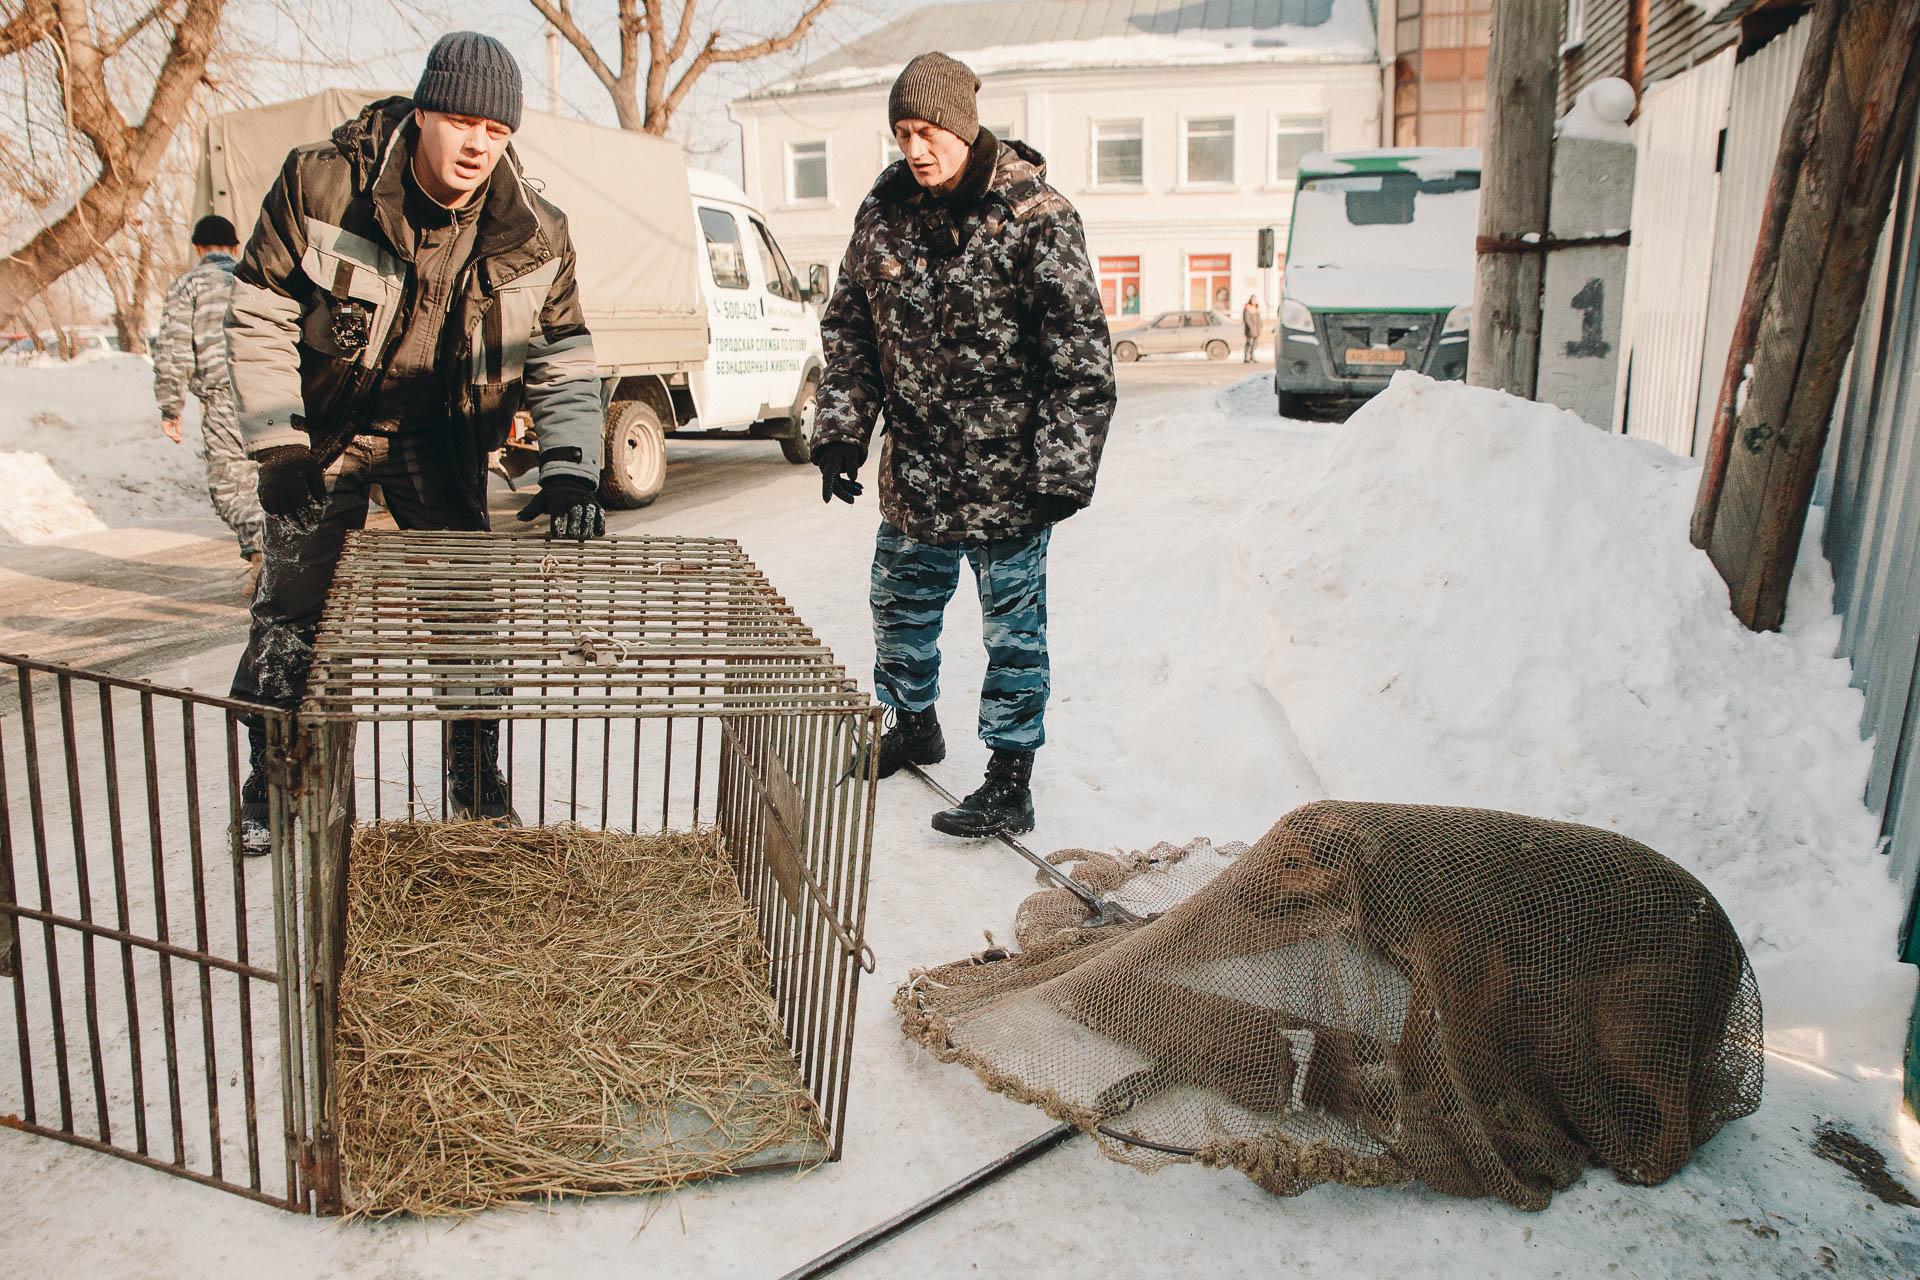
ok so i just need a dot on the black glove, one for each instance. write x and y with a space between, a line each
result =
572 507
839 464
290 479
1055 507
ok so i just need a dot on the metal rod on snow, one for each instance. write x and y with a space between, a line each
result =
874 1236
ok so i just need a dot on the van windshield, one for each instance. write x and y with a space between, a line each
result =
1395 219
1358 238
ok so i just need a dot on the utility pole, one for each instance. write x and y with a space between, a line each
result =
1522 63
553 70
1849 127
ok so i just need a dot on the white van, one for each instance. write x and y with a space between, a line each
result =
699 326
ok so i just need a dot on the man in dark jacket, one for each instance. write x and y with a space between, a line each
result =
405 292
967 313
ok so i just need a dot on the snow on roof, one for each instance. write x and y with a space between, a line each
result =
1006 36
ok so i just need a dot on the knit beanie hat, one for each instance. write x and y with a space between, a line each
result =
939 90
214 231
469 74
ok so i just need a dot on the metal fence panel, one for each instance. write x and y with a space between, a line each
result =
1675 190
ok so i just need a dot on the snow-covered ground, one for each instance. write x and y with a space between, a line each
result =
81 450
1454 597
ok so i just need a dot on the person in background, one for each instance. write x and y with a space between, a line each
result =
1252 322
406 291
968 312
190 355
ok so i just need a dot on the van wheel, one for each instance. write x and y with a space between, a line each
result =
1294 406
1216 350
796 446
1125 352
636 453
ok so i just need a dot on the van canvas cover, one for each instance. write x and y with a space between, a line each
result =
624 194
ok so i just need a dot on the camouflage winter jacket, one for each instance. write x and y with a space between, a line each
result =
190 353
325 292
974 324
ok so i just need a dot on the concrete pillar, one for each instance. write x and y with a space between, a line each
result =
1584 288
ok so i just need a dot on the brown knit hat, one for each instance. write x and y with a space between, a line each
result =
939 90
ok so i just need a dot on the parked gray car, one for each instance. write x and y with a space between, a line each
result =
1171 332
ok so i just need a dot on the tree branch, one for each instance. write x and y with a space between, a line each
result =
145 20
712 53
561 17
31 25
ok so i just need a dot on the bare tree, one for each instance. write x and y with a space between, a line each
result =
83 39
648 82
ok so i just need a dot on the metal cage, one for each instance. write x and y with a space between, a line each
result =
639 684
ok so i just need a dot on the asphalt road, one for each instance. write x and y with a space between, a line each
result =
131 600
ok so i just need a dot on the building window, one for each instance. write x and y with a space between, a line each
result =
1206 152
806 172
1295 138
1209 281
1440 75
1118 154
1120 286
1576 27
724 255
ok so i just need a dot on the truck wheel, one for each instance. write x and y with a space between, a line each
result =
1216 350
1293 406
797 445
636 453
1125 352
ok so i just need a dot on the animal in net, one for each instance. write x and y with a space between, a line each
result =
1374 994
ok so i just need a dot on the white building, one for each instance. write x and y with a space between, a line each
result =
1173 125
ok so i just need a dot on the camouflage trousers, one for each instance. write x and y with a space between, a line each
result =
912 582
233 479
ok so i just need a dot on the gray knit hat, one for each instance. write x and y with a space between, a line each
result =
469 74
939 90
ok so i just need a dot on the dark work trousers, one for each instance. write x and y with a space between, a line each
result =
302 552
912 582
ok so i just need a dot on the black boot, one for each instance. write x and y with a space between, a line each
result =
915 738
256 830
1002 806
474 785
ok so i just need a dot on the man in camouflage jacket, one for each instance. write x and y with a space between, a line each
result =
406 291
190 355
967 315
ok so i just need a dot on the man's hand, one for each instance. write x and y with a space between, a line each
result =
290 480
572 507
839 464
172 427
1055 507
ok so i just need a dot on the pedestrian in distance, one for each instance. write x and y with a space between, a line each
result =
1252 322
406 291
190 355
967 315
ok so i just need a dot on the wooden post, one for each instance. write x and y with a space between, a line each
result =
1522 62
1803 306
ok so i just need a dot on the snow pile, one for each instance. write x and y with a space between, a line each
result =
1471 599
81 450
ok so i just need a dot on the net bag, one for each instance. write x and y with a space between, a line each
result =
1372 994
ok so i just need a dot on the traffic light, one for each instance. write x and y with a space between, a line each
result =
1266 247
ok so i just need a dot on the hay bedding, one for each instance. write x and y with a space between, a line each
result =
556 1011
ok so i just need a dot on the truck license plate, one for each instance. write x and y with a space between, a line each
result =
1375 355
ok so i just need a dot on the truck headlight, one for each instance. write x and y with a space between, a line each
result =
1459 320
1294 315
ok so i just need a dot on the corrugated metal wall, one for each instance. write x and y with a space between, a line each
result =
1873 528
1762 89
1675 195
